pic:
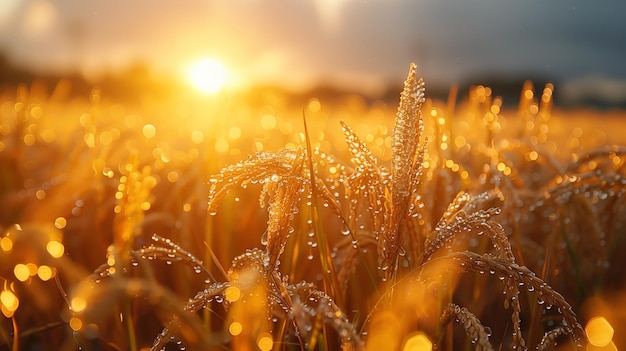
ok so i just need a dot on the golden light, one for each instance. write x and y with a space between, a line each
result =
45 273
222 145
235 328
268 122
55 249
6 244
599 331
32 269
265 342
60 222
384 333
78 304
149 131
232 294
197 136
314 105
208 76
21 272
9 302
76 324
418 342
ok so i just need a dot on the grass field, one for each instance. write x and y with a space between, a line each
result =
256 222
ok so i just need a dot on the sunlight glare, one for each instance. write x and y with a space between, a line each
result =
208 76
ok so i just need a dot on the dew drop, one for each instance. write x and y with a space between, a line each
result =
401 251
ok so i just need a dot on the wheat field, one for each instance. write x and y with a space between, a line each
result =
264 224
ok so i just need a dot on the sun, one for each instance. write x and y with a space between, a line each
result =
208 76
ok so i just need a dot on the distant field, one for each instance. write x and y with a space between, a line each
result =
226 221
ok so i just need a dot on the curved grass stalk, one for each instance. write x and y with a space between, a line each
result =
513 277
474 329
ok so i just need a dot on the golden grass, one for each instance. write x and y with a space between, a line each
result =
460 229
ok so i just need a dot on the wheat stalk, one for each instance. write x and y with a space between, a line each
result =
201 300
283 179
514 277
549 338
366 183
456 221
406 163
594 158
471 324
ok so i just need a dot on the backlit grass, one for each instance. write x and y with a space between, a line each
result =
232 222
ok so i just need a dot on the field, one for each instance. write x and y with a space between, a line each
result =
260 222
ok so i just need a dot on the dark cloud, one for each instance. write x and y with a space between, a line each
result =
372 41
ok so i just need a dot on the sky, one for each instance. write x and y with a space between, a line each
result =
353 44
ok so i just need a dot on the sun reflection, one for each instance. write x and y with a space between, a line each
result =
208 76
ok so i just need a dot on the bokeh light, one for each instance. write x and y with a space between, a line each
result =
232 293
21 272
599 331
265 342
55 248
235 328
78 304
6 244
417 342
45 273
9 302
149 131
60 222
76 324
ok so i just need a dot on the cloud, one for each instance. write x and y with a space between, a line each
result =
40 16
353 42
594 88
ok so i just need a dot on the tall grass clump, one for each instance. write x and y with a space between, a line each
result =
459 230
380 211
